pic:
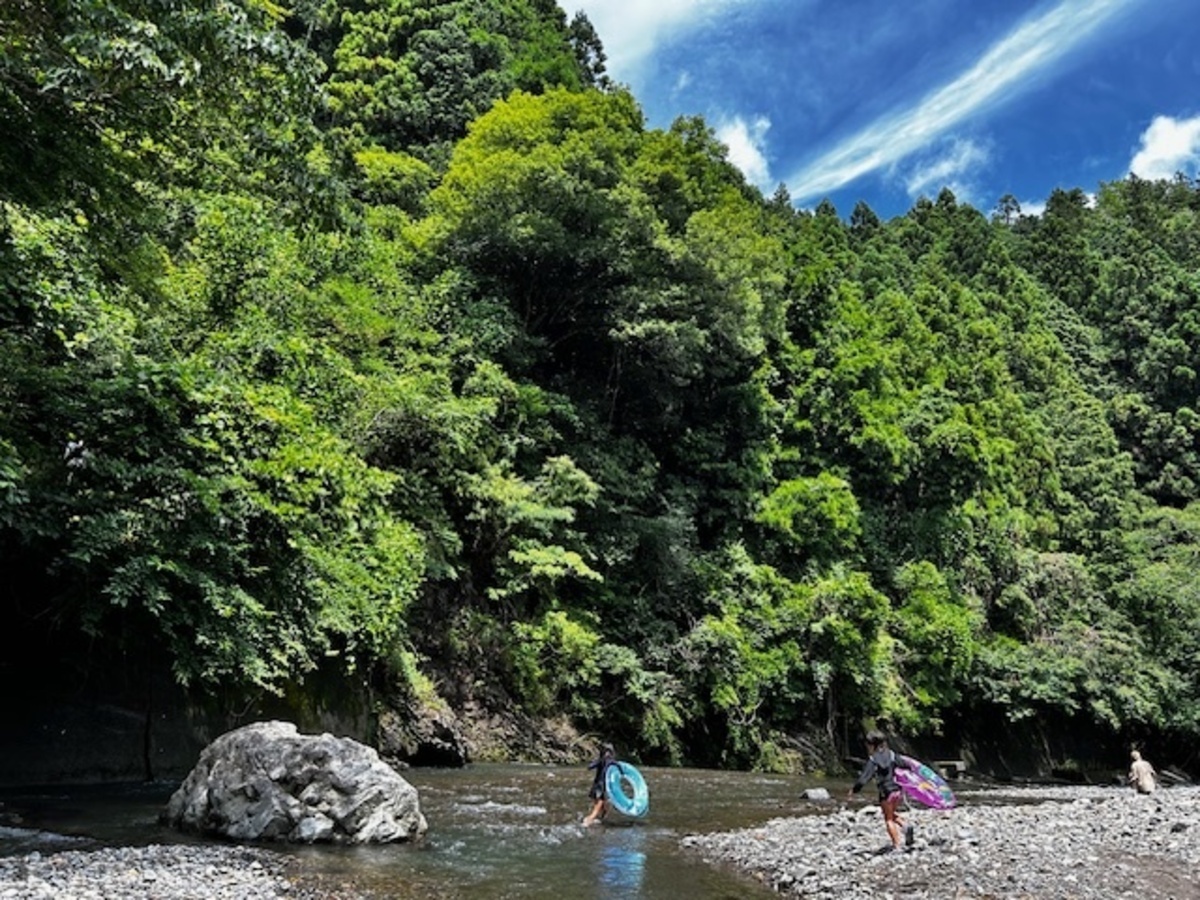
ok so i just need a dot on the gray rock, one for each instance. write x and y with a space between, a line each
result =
1081 843
163 873
268 782
426 736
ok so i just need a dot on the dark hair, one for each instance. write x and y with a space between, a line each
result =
876 738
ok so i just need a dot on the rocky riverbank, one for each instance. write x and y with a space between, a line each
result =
162 872
1073 843
1078 843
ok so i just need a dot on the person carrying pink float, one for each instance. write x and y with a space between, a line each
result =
881 765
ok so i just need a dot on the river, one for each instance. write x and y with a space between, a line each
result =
495 831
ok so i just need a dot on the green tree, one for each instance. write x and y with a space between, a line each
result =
410 75
97 96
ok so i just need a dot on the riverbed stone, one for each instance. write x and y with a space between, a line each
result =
267 781
154 872
1076 843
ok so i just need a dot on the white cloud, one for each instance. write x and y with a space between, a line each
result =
1168 146
630 29
1004 70
745 142
1038 207
951 169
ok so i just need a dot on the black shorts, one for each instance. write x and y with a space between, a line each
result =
597 792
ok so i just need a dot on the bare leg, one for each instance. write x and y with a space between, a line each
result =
596 814
892 820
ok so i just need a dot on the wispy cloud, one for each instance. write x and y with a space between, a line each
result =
1168 146
952 168
746 142
630 29
1009 67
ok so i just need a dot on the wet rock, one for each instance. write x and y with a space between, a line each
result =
268 782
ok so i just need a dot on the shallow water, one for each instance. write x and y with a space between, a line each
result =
495 831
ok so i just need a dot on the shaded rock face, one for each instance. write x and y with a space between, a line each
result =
269 782
425 737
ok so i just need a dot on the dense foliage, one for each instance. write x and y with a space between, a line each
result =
386 332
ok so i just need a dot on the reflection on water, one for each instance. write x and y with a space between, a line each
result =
622 864
495 832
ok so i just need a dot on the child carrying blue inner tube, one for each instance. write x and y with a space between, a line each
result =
598 793
627 792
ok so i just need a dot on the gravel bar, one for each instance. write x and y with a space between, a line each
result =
162 872
1073 843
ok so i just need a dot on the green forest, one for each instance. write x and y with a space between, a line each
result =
384 337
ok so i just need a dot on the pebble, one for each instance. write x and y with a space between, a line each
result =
1036 843
1049 843
162 872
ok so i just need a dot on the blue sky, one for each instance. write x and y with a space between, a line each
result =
889 100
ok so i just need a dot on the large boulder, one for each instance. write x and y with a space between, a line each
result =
269 782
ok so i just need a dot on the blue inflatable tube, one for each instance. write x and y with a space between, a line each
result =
626 790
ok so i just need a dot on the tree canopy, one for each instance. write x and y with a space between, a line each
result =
387 333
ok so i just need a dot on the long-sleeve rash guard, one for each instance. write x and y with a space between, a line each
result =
882 766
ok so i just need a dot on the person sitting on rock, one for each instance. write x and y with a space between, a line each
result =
882 764
1142 775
